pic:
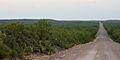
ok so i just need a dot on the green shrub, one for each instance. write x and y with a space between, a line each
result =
113 29
5 51
18 39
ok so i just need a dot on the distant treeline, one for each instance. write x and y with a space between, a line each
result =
31 21
46 37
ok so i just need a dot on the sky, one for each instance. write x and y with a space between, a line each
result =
60 9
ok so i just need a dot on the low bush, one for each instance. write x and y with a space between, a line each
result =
113 29
18 39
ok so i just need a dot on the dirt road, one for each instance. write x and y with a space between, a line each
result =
103 48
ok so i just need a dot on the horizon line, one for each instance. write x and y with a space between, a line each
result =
62 19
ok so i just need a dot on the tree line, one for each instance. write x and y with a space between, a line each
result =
18 40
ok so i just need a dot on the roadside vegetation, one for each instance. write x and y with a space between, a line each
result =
113 28
45 37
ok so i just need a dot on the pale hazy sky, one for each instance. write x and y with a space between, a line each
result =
60 9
